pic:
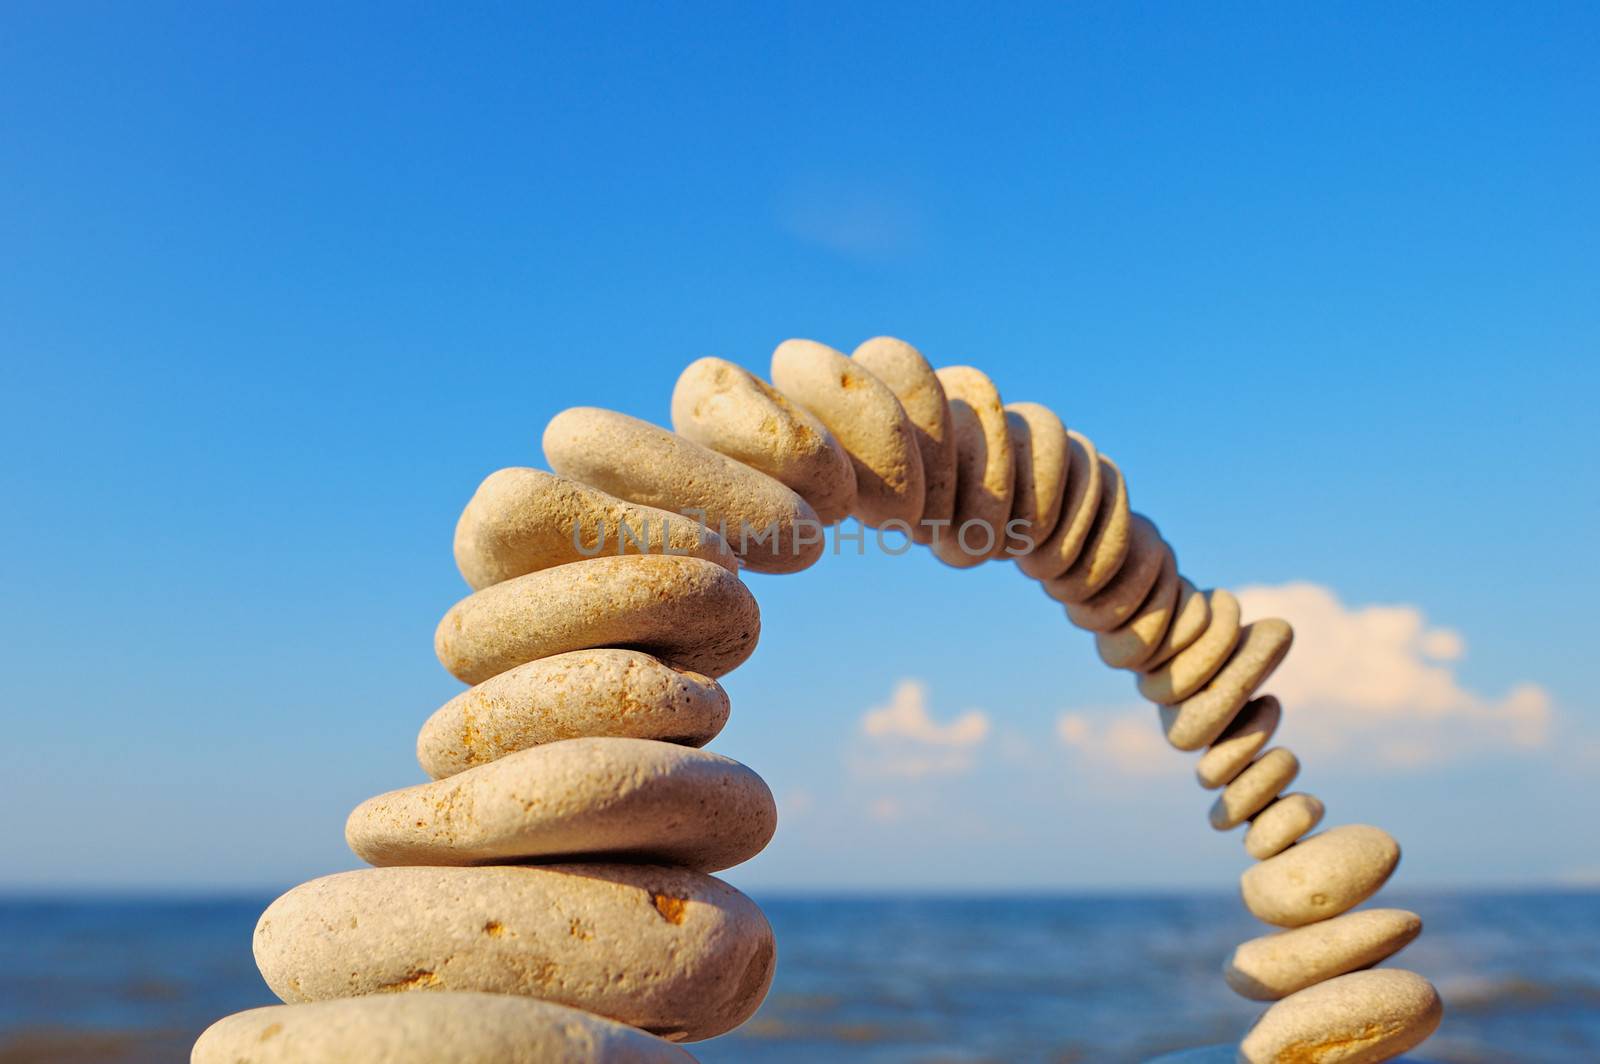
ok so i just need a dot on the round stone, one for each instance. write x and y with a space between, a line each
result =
1190 619
637 799
1107 546
770 527
1117 602
523 520
1280 825
1056 553
1041 454
1241 741
1255 788
673 952
1128 646
913 381
447 1028
587 692
1325 875
1277 965
688 611
1188 670
733 412
1360 1018
1206 714
985 472
866 418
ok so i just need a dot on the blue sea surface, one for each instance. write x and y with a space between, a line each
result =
882 980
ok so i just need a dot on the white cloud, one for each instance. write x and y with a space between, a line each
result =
1129 742
903 739
1379 678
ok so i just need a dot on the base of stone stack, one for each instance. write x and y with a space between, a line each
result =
1229 1054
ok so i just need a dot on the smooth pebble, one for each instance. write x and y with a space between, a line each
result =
1206 714
1127 647
1056 553
1255 788
985 470
913 381
1190 619
1322 876
1107 546
1040 454
1360 1018
1241 741
1280 825
1276 965
1188 670
1117 602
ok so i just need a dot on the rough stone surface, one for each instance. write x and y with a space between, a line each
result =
578 799
732 411
985 472
586 692
688 611
1117 602
913 381
1275 966
448 1028
1189 669
866 418
1241 741
673 952
1206 714
1360 1018
1255 788
1127 647
1190 619
1280 825
522 520
1041 454
770 527
1107 546
1325 875
1056 553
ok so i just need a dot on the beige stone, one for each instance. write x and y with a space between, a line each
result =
447 1028
638 799
1188 670
770 527
673 952
1117 602
1190 619
1040 455
1204 715
866 418
1242 740
1323 876
732 411
1275 966
1255 788
913 381
1055 554
1107 546
685 610
985 472
1360 1018
522 520
1128 646
586 692
1280 825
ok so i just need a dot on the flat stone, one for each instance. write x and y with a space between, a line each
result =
1199 719
1190 619
1280 825
439 1028
1117 602
1241 741
1107 546
1360 1018
578 799
586 692
1277 965
1188 670
770 527
673 952
685 610
1128 646
1041 454
522 520
913 381
732 411
1325 875
1056 553
867 419
985 473
1255 788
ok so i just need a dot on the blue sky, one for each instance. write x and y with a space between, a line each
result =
281 285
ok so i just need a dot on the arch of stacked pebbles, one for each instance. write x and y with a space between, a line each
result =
549 897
